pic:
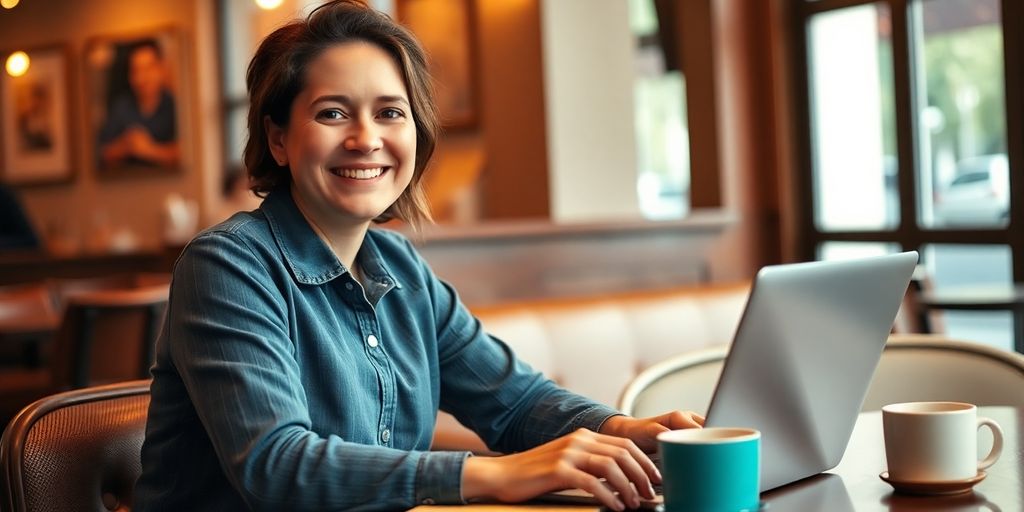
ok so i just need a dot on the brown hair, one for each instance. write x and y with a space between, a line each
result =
276 75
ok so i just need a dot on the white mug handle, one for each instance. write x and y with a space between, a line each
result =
997 442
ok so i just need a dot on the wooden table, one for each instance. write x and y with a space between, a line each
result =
982 298
854 484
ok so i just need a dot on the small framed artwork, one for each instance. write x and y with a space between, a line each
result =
445 28
35 118
134 97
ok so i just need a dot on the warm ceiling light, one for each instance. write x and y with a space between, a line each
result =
269 4
17 64
8 4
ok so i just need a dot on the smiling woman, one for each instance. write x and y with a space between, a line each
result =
350 142
273 102
305 356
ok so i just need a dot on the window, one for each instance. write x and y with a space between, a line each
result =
852 117
662 141
243 24
907 140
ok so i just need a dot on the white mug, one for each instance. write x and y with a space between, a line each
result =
936 441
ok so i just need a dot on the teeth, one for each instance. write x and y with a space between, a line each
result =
358 174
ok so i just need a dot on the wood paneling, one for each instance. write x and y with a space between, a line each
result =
514 182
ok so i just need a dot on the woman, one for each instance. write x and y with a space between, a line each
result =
305 356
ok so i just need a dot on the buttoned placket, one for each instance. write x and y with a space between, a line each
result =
370 332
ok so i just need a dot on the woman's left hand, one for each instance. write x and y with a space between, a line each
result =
644 431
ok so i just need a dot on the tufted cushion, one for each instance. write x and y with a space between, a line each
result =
665 326
523 330
588 341
595 346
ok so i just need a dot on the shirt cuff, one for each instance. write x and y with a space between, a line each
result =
594 417
606 418
439 478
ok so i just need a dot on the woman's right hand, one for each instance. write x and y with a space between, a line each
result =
578 460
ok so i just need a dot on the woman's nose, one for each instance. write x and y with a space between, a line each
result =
364 138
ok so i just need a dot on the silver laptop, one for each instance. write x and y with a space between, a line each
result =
803 356
800 364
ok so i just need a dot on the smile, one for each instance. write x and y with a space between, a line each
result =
358 174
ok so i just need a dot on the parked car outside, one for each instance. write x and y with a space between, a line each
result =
978 195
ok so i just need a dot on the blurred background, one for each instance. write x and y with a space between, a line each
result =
590 146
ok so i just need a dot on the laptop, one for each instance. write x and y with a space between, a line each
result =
803 356
799 367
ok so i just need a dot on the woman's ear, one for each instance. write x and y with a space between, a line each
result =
275 138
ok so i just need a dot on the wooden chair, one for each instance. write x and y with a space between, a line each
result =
77 450
27 325
107 336
104 336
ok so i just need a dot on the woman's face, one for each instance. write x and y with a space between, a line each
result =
351 140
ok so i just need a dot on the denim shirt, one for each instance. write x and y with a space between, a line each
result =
281 383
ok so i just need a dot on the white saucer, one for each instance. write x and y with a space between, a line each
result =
933 488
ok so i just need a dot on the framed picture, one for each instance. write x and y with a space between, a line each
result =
134 103
445 28
35 119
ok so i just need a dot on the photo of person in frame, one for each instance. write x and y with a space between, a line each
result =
34 100
35 125
140 127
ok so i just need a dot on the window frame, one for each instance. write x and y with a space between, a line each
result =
908 233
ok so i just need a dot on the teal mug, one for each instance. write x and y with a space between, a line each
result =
711 469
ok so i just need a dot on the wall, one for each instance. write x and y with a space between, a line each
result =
589 72
739 102
133 203
514 180
751 125
750 133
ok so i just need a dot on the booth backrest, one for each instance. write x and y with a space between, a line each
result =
595 346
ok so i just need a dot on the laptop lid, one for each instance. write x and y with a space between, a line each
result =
804 353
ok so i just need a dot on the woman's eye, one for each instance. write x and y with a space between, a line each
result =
392 113
330 114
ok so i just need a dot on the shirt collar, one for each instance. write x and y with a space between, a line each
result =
310 260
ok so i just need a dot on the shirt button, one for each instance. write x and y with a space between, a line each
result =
348 286
372 341
428 501
385 435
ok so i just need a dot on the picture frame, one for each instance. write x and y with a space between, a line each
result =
36 146
446 30
134 101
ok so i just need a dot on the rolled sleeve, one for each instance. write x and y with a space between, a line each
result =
439 478
594 417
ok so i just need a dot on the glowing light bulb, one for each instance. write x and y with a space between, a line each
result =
8 4
17 63
269 4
